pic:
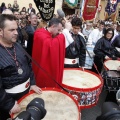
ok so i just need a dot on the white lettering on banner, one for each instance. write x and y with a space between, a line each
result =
46 1
46 5
47 16
46 11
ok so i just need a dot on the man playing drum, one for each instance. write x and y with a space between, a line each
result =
75 52
16 75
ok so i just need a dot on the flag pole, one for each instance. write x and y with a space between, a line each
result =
82 6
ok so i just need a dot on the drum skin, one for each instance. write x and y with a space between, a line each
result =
59 104
110 64
87 96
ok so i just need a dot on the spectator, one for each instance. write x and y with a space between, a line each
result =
87 30
10 7
96 34
17 14
23 14
116 41
31 9
24 9
30 29
2 7
15 6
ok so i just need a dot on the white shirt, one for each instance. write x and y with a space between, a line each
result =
86 32
94 36
29 10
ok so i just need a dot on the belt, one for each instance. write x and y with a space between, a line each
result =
19 88
71 61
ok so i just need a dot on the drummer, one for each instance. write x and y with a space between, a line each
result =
75 51
104 48
16 75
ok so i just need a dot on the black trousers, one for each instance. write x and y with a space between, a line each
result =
111 97
71 65
98 65
4 115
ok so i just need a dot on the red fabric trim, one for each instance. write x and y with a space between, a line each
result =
77 91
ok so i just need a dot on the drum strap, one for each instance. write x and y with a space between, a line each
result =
42 69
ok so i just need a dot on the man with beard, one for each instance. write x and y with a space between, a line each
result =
16 75
49 52
30 29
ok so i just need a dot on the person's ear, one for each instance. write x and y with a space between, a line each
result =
1 32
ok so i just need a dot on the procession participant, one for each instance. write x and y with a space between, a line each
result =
75 52
104 48
49 52
96 34
16 75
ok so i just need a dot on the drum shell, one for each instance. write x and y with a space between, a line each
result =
83 94
111 80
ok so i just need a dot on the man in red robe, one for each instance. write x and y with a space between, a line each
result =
49 53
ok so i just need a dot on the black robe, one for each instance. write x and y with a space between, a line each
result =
75 50
9 76
103 48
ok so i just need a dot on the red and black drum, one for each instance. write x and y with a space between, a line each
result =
85 86
59 104
111 76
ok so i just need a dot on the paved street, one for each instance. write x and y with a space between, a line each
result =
92 113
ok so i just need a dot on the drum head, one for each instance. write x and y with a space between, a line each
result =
112 64
77 78
59 105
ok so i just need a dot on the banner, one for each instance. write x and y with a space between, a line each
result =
90 8
46 8
71 3
111 7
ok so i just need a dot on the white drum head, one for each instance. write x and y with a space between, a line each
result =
80 79
112 64
59 106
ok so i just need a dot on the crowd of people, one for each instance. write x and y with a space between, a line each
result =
54 45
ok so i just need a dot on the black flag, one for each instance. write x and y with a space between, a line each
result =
46 8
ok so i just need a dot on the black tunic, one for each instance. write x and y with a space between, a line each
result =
103 48
9 76
75 50
116 41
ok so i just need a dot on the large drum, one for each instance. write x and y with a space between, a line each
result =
111 64
111 76
59 104
85 86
